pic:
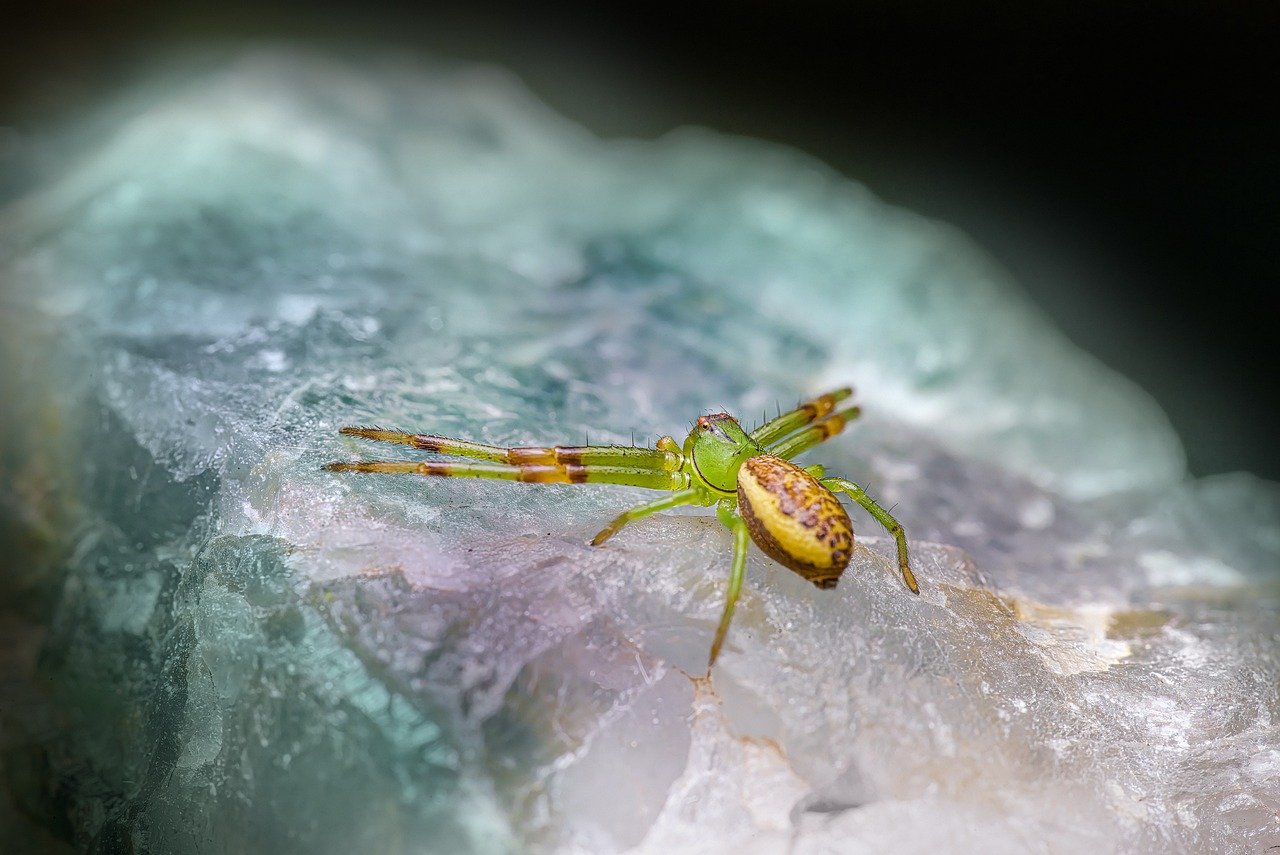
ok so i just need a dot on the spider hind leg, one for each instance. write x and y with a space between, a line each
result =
728 515
891 525
675 500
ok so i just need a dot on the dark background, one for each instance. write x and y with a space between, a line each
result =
1119 162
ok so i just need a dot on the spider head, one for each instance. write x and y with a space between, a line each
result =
718 446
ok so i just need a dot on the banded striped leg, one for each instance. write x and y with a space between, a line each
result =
729 516
665 457
528 473
809 437
675 500
805 414
840 485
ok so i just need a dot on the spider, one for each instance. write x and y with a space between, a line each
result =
791 512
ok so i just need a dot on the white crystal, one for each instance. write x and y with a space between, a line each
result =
249 651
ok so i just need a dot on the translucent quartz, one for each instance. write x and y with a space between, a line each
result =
249 654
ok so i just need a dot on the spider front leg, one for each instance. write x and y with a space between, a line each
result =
727 512
841 485
811 436
666 456
675 500
807 413
527 473
653 468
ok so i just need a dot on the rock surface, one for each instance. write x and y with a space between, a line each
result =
245 653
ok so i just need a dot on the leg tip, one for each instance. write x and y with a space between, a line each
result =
603 535
375 433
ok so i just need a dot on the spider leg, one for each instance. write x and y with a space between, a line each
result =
683 497
729 516
529 473
811 436
661 458
805 414
841 485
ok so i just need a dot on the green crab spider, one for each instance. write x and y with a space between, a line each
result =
791 512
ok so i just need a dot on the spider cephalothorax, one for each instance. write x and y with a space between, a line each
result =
716 448
791 512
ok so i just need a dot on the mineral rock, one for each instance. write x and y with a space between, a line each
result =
240 652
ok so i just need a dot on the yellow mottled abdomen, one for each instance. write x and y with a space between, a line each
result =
795 520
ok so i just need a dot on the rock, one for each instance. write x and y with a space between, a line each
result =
241 652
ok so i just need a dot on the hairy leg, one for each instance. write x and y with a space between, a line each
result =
662 458
528 473
841 485
805 414
809 437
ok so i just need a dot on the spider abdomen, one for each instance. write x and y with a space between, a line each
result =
794 519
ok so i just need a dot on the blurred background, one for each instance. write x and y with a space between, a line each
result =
1119 162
